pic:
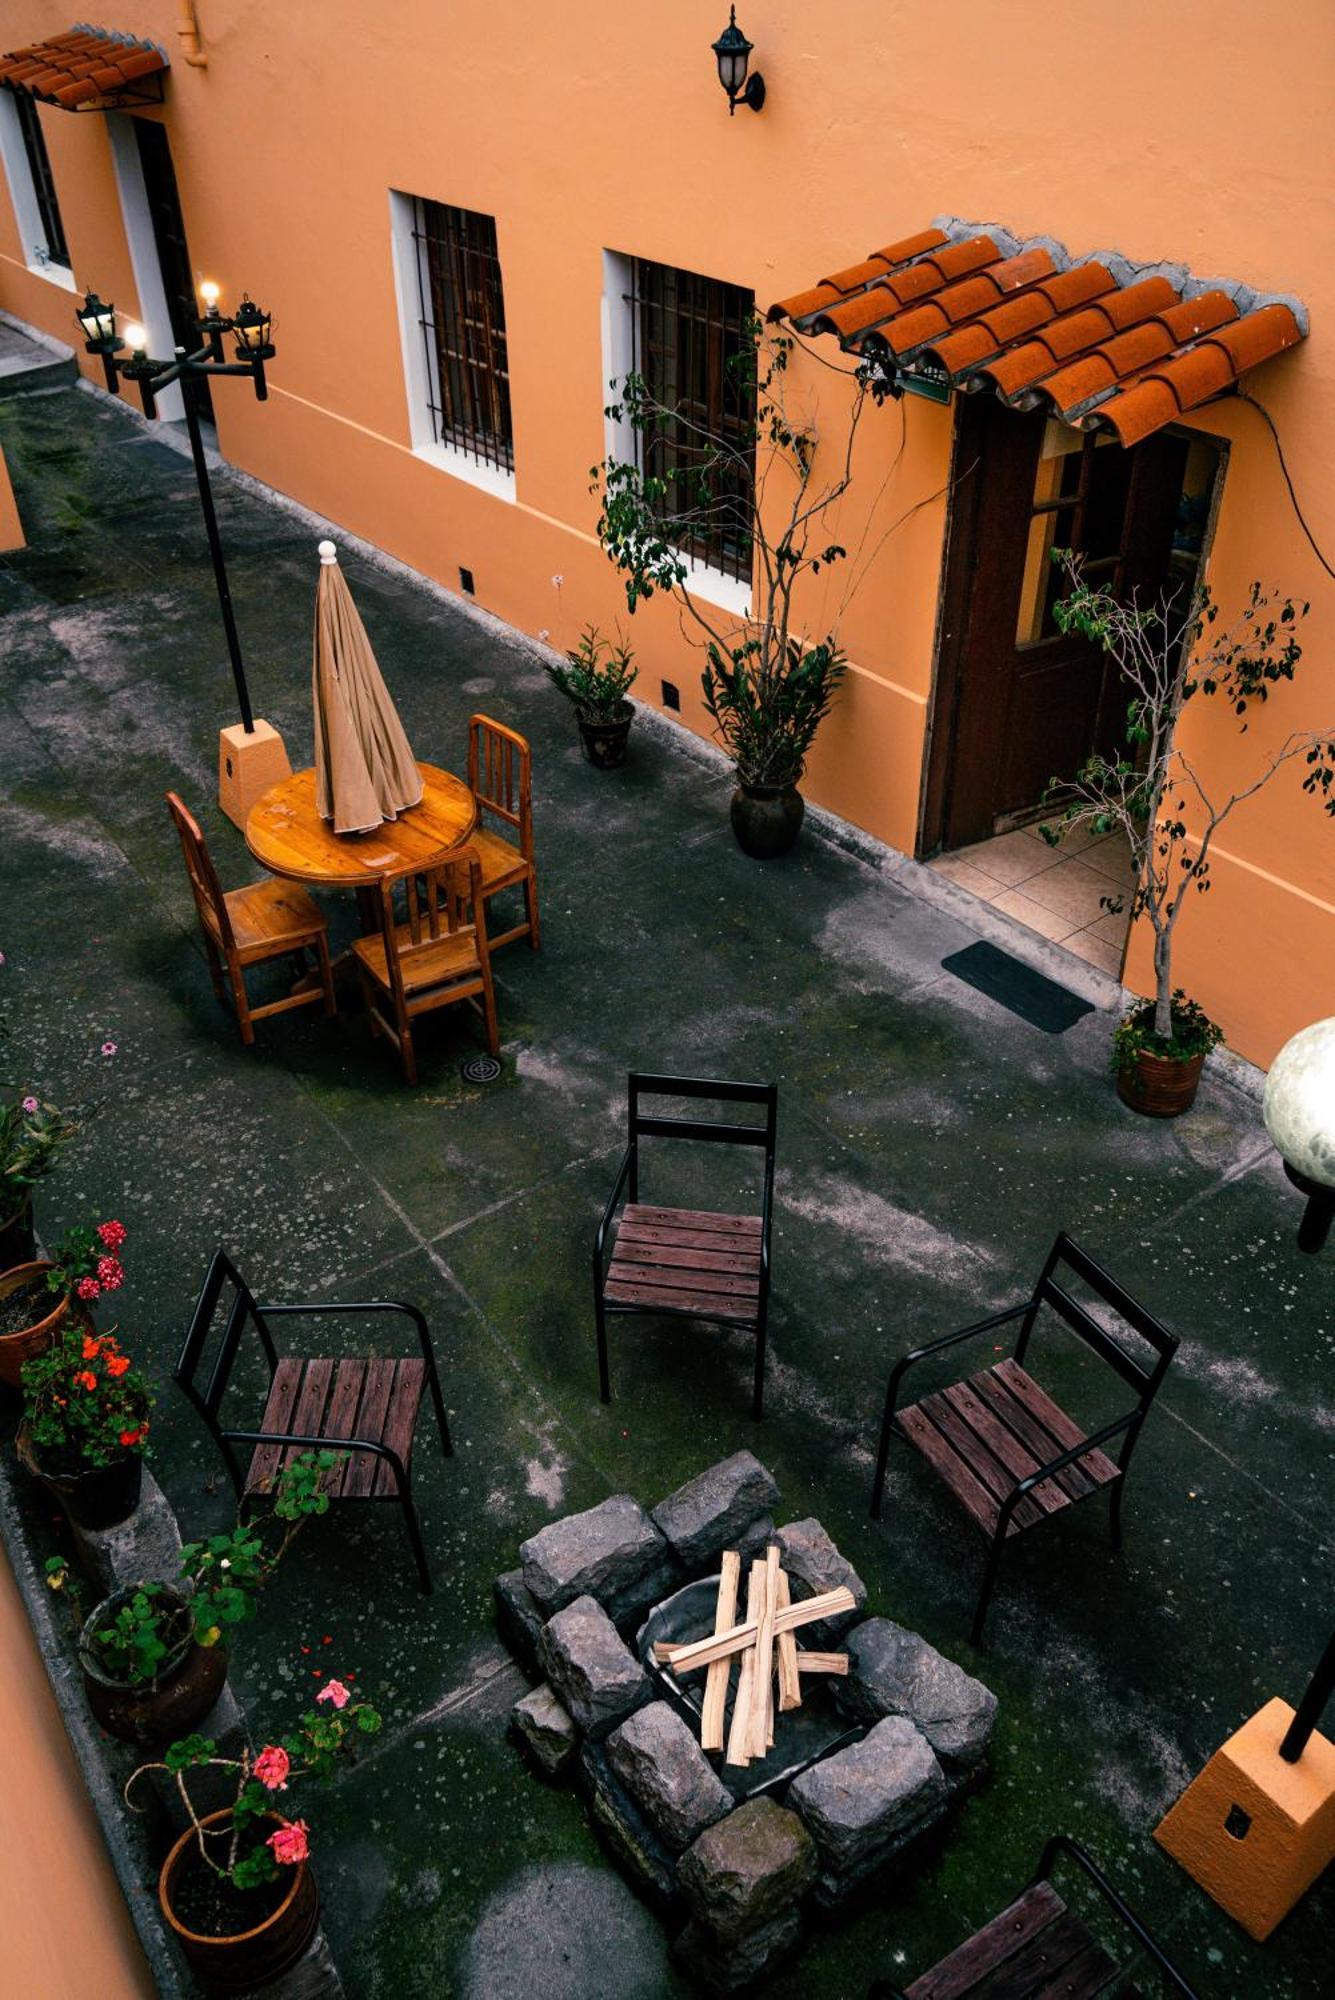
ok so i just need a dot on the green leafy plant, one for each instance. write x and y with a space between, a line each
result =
597 676
1153 794
33 1134
85 1403
241 1850
87 1261
220 1577
759 490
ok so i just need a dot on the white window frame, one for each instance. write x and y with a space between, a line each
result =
23 195
419 362
622 441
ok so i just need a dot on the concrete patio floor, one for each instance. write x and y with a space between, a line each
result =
930 1144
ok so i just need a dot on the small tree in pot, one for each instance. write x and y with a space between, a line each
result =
765 687
596 679
1157 798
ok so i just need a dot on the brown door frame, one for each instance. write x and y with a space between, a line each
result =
959 557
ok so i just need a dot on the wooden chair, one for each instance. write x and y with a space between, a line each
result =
688 1262
1010 1455
1038 1949
366 1408
436 956
500 777
242 927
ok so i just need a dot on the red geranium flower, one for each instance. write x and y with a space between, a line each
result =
85 1379
117 1364
129 1438
91 1348
110 1274
111 1234
88 1288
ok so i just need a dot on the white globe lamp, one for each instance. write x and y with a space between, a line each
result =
1299 1113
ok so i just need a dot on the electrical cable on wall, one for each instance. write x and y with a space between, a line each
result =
1243 397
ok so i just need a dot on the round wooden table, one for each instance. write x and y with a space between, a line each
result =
287 836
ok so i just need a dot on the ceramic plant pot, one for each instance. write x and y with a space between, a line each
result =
1160 1086
766 819
17 1243
100 1497
604 743
244 1960
189 1680
49 1315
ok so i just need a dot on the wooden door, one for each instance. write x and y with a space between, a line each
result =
178 274
1018 702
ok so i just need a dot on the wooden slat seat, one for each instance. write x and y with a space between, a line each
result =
376 1401
1035 1950
986 1433
426 966
686 1260
502 862
266 915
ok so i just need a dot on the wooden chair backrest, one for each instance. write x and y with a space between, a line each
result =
500 775
446 903
208 892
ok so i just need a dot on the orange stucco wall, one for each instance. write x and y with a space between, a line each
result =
1186 133
11 527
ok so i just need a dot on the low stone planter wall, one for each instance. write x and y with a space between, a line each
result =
736 1876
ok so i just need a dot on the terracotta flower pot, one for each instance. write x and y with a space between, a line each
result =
99 1497
766 819
1160 1086
247 1959
16 1348
188 1682
604 743
17 1244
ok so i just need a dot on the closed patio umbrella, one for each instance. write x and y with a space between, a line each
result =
364 770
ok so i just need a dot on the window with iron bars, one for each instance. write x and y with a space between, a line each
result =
693 349
463 326
43 183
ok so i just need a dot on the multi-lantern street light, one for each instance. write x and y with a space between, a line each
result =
252 331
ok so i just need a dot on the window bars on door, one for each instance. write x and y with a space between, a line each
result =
463 327
693 349
43 182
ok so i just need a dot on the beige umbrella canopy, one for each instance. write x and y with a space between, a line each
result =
364 770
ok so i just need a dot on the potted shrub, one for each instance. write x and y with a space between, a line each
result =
237 1887
85 1425
1168 658
762 493
37 1299
32 1134
596 680
154 1655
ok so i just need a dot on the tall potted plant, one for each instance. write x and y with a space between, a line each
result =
1155 797
596 679
237 1887
85 1425
32 1134
38 1299
767 685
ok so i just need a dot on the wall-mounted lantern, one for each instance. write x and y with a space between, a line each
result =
732 52
1299 1113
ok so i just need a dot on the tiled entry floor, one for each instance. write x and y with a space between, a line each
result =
1054 890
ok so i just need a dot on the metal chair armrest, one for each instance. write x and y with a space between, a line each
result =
917 1354
600 1240
1062 1843
1059 1464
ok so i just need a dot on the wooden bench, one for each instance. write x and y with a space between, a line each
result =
1006 1450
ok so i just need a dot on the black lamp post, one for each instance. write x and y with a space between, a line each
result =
252 329
732 52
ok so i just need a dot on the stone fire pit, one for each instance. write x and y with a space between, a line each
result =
732 1858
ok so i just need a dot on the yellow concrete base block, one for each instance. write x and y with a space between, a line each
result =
248 764
1254 1831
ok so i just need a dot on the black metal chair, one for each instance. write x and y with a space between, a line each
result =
1039 1947
690 1263
1010 1455
365 1407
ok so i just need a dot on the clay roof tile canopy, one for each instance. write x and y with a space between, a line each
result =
1131 356
86 70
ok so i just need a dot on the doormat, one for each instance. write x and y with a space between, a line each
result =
1011 983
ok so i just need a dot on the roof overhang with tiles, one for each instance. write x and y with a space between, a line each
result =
89 69
1096 341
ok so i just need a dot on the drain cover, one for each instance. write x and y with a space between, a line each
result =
480 1069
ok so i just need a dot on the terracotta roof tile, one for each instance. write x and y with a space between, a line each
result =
1129 356
82 67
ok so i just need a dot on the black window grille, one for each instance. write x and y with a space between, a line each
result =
463 326
43 183
694 350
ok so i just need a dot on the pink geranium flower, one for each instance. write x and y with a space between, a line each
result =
108 1048
30 1105
271 1768
289 1843
335 1692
